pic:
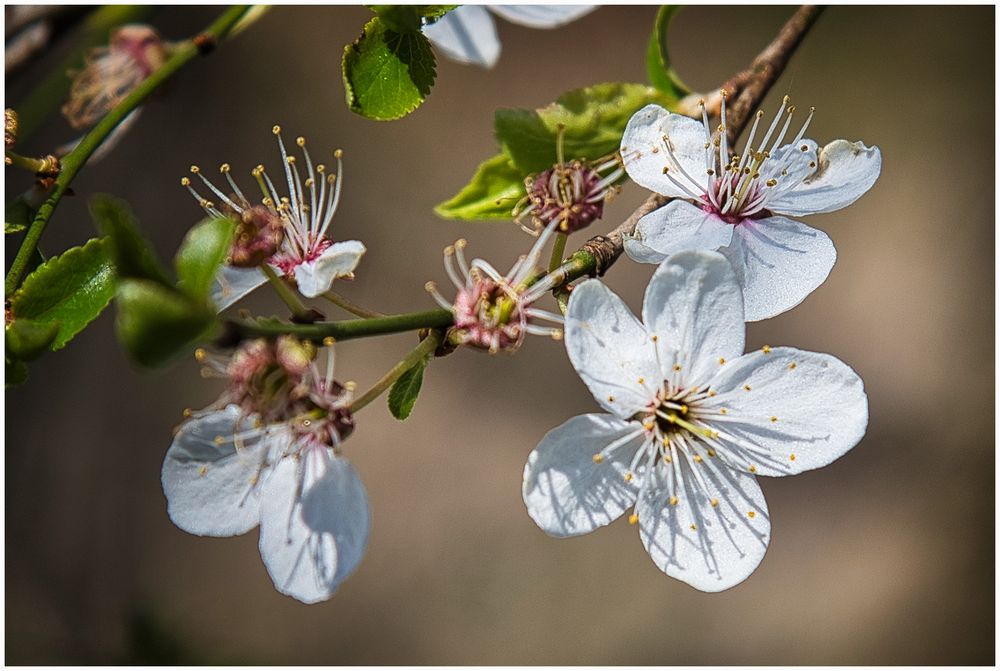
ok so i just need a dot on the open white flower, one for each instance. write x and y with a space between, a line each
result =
304 252
690 420
467 33
741 204
229 470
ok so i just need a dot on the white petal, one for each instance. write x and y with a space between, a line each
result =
467 35
566 493
542 16
711 548
676 227
316 277
309 506
611 350
694 306
645 154
818 403
778 262
232 284
845 171
210 486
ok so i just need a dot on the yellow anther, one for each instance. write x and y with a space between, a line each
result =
804 147
320 168
666 169
673 500
275 129
684 409
656 338
328 341
290 160
751 514
791 457
792 366
642 380
772 182
773 418
649 426
677 367
666 441
723 411
200 354
611 399
195 170
338 153
224 168
258 422
722 360
218 440
711 452
253 479
350 385
633 519
712 393
628 477
185 181
694 527
753 469
557 335
766 349
598 458
257 171
714 502
301 141
747 387
202 471
697 458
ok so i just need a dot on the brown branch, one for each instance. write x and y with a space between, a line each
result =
746 90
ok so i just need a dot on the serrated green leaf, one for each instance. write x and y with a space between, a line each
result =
17 215
16 372
70 290
594 120
661 74
403 394
204 249
131 254
494 190
401 18
156 323
26 339
387 74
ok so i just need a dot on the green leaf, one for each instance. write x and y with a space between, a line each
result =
17 215
409 18
156 323
26 339
69 290
594 120
494 190
204 249
16 372
404 392
387 74
131 254
661 74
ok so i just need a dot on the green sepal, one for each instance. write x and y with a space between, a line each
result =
156 323
387 73
661 74
15 371
26 339
67 291
405 390
594 119
493 192
203 250
132 255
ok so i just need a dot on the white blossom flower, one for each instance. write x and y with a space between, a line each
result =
493 311
307 254
467 33
690 420
270 455
741 204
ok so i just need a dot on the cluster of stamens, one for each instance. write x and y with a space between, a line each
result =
571 193
303 216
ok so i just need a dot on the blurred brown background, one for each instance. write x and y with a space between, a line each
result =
884 557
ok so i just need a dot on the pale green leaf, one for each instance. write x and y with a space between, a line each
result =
493 192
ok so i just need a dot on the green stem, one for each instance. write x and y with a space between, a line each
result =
51 92
416 355
349 329
76 159
33 165
350 306
558 249
284 292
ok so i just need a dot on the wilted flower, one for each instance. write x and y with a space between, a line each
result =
268 453
110 73
735 202
494 311
304 251
571 193
690 421
467 34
